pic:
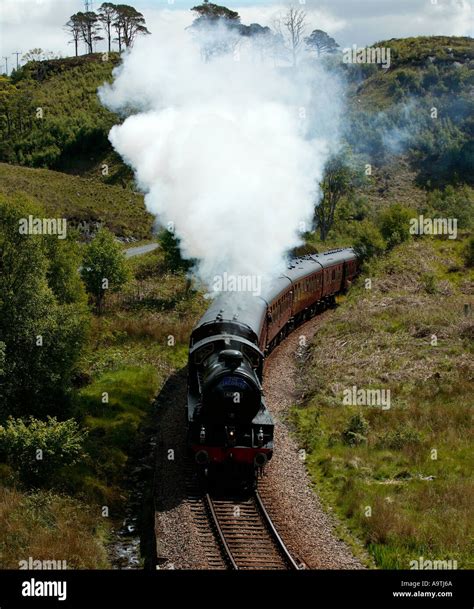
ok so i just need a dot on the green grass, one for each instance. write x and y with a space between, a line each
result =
414 57
48 526
129 357
80 199
420 505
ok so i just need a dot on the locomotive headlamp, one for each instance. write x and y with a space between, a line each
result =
202 457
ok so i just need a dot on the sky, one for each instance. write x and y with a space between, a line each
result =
27 24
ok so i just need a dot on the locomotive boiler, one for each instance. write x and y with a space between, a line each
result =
228 421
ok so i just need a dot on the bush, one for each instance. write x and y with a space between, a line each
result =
469 252
368 241
43 315
172 254
37 449
395 224
429 283
356 430
104 267
399 438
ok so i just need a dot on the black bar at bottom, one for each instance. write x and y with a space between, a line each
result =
237 590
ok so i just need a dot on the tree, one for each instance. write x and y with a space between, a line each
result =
340 179
169 244
107 16
395 224
368 241
128 24
74 28
60 442
209 12
291 27
43 322
214 41
104 267
89 29
35 54
321 42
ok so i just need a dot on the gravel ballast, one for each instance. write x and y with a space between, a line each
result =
307 530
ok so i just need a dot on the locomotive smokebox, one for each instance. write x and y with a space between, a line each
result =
232 358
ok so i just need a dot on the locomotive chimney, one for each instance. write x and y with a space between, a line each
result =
231 357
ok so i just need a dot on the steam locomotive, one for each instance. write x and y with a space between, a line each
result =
228 421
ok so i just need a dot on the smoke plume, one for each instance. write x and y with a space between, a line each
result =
229 150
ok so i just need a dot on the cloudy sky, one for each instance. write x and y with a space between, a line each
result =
26 24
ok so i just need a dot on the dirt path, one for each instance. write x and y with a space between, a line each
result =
305 527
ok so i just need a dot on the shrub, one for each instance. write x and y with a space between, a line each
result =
399 438
429 283
37 449
395 224
43 316
356 430
104 267
172 254
368 241
469 252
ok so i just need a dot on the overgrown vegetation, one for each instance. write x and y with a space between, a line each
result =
80 387
399 477
85 203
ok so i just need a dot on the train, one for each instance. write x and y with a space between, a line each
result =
228 422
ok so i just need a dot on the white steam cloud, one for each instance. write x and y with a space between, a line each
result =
229 150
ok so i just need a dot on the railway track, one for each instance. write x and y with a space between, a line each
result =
246 534
236 531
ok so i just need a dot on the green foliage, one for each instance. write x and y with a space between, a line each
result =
469 252
386 336
394 110
51 527
104 266
341 176
395 224
356 430
43 318
368 241
429 283
72 122
60 443
83 202
452 203
397 439
169 244
321 42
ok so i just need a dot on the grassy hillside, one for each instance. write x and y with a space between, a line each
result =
70 133
80 199
399 477
426 65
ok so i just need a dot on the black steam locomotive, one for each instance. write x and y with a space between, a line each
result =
228 421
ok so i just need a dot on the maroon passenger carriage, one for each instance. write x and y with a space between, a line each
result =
228 421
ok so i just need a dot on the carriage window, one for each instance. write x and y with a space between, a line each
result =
334 274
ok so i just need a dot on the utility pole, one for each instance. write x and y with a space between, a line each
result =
6 65
17 53
88 6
